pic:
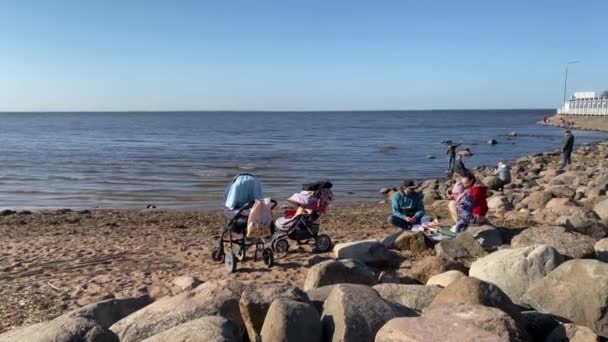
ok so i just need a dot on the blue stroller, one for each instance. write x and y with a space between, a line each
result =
239 197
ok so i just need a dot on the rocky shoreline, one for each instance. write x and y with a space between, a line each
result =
587 123
537 271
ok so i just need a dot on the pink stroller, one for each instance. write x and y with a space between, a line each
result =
301 225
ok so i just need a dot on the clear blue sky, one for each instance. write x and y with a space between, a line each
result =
297 55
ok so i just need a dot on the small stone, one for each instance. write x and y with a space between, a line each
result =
446 278
186 282
601 250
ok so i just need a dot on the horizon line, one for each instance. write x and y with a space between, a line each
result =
266 111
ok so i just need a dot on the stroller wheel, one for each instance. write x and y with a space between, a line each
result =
281 246
323 243
217 254
230 262
239 252
268 257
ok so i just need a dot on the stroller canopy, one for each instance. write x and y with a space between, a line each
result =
243 189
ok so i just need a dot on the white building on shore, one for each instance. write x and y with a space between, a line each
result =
585 103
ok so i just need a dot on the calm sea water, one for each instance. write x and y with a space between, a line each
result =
184 159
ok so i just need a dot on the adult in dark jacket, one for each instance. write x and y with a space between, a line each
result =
567 147
407 206
451 152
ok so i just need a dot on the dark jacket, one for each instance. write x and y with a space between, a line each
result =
568 144
408 205
459 168
451 150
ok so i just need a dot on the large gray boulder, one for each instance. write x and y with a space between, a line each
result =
356 313
578 291
318 296
597 229
601 209
339 271
209 299
463 248
429 266
255 302
499 204
492 182
559 204
515 270
562 191
210 328
406 241
537 200
463 323
415 297
487 235
291 321
370 252
569 244
62 329
551 217
469 290
111 311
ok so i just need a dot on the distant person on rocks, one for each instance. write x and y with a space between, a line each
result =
451 152
407 206
567 147
503 171
545 119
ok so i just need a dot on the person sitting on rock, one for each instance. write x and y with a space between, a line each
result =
453 197
407 206
462 203
479 191
503 171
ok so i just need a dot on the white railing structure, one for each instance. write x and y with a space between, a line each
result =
593 106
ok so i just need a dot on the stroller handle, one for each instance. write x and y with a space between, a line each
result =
248 205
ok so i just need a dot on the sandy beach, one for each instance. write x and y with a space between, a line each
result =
56 261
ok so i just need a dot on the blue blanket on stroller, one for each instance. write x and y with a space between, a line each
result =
244 188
